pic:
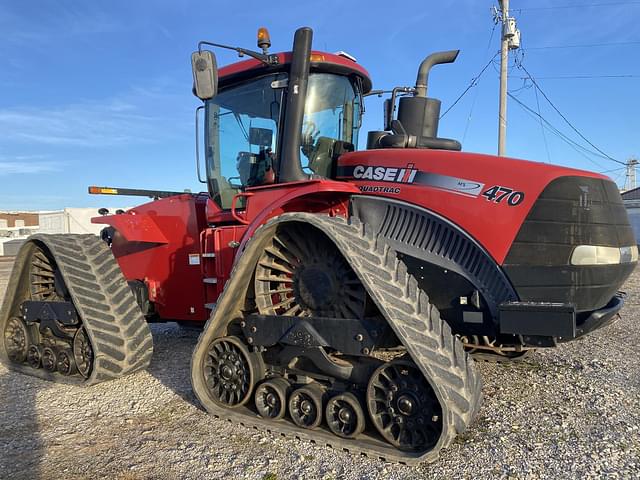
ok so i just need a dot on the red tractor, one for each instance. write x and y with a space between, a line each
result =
343 291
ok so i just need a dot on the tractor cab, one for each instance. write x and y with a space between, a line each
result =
244 127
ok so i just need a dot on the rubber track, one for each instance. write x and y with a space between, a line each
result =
120 337
416 322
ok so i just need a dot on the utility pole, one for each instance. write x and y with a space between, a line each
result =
630 179
510 40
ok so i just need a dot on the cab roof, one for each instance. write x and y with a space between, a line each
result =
320 62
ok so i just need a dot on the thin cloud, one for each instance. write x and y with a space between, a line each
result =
28 165
113 122
56 20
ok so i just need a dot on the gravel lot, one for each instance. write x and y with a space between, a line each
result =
571 412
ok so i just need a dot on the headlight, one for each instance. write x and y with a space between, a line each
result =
598 255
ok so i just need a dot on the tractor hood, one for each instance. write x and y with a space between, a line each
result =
488 196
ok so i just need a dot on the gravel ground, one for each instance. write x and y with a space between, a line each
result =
570 412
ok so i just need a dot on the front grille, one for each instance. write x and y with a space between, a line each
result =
570 211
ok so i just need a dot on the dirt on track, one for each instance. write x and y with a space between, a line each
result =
570 412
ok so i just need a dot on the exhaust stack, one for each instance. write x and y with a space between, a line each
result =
420 115
432 60
290 167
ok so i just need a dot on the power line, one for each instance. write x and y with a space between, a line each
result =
475 96
556 7
546 146
585 45
565 118
576 146
566 77
615 169
474 82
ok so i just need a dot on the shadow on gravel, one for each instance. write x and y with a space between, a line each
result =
171 362
21 446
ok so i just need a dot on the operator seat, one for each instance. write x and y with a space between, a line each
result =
243 165
321 157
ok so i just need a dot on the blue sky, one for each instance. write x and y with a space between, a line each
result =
100 92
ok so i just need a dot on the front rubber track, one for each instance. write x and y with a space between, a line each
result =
120 337
417 323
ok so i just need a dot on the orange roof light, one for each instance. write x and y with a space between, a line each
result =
102 191
316 57
264 40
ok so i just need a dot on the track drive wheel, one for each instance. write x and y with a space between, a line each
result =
46 281
271 398
344 415
231 371
403 406
302 274
305 406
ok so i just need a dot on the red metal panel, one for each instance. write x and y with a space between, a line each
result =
134 227
307 196
171 269
285 57
453 185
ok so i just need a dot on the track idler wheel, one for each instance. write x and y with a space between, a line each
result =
16 340
82 353
345 416
403 407
305 406
271 398
231 371
34 356
49 359
66 362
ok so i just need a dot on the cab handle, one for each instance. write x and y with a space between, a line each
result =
234 201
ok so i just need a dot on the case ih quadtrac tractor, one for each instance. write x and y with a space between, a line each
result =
344 291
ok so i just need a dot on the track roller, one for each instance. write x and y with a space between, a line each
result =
34 356
232 371
49 359
344 415
403 406
271 398
66 362
305 406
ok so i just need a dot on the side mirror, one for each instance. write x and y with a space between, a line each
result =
205 74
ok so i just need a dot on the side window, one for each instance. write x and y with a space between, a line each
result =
332 113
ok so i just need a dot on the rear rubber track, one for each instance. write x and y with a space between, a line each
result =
427 338
119 335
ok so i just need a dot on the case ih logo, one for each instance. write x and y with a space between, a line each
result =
385 174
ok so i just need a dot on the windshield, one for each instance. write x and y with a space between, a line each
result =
332 112
241 132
